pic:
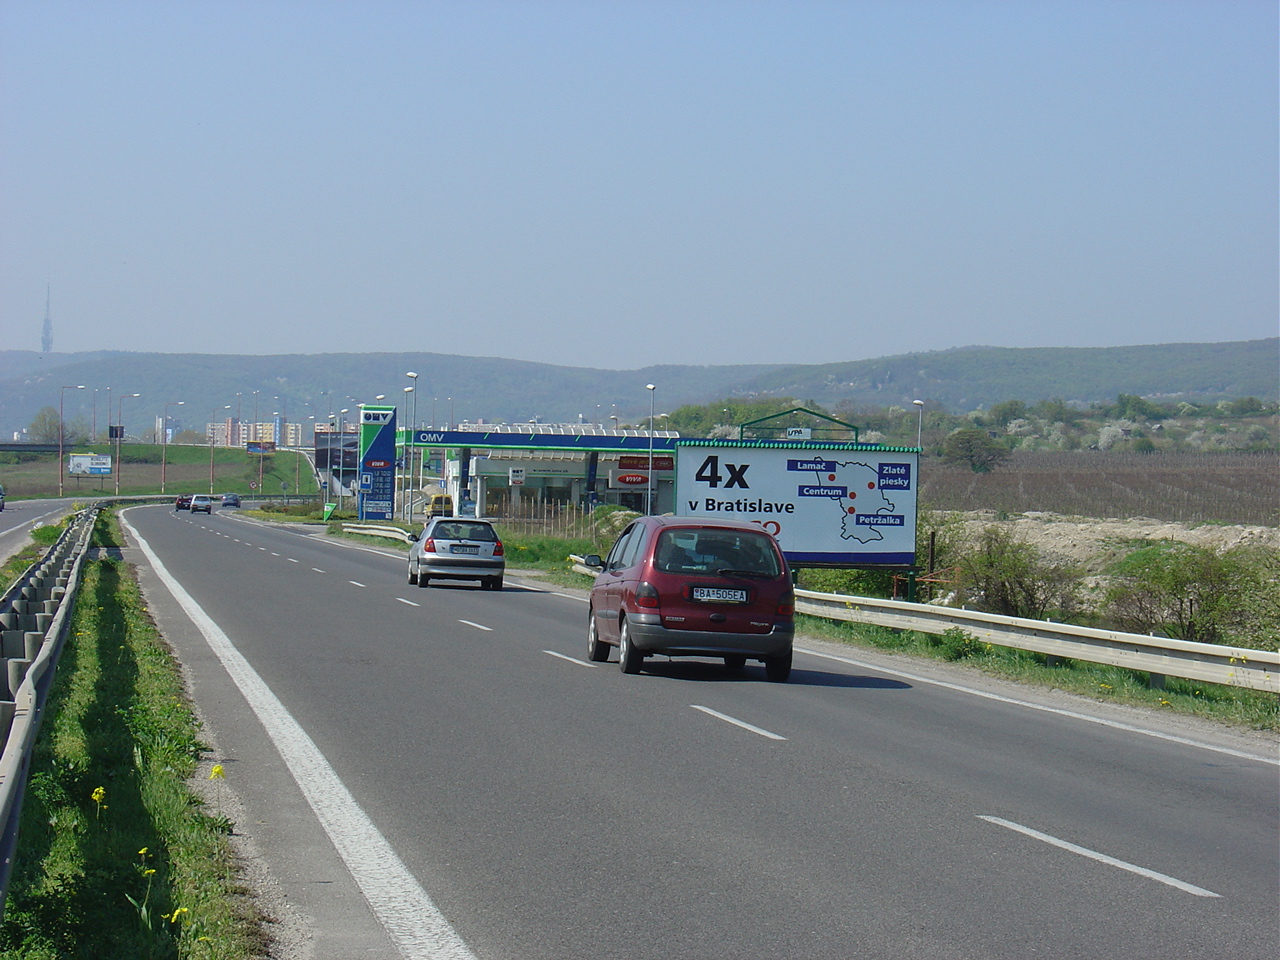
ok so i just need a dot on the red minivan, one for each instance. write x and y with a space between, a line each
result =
693 587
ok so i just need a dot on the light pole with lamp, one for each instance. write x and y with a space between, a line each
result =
412 397
120 435
164 441
211 436
62 429
919 405
648 490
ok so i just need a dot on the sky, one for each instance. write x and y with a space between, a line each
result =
622 184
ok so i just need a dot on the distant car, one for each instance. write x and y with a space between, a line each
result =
231 499
183 502
201 504
440 505
452 548
693 587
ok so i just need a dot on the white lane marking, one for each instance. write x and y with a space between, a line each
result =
568 597
263 549
291 560
737 723
274 554
581 663
1115 724
409 916
409 602
478 626
1102 857
317 570
355 583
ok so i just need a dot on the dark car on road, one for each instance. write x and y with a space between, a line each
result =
457 548
231 499
183 502
693 587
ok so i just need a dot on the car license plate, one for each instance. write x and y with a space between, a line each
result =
463 548
721 594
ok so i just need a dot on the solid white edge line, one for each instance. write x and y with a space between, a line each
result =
411 919
478 626
1115 724
737 723
1102 857
581 663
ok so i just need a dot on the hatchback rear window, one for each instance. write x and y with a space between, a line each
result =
463 531
715 552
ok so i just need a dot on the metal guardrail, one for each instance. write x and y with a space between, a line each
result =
1159 656
377 530
35 615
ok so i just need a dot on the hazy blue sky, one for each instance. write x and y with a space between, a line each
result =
617 184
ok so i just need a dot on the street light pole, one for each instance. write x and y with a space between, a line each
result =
62 429
648 490
164 441
408 446
120 417
919 404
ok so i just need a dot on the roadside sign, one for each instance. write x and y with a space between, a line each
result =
515 476
837 505
377 462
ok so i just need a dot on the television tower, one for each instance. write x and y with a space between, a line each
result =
46 337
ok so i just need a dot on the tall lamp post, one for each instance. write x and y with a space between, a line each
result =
62 429
412 397
120 435
648 489
164 441
919 404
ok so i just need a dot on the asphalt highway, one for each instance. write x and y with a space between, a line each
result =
438 772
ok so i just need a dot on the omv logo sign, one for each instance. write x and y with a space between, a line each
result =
376 416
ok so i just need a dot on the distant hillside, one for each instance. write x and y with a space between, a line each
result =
970 377
496 389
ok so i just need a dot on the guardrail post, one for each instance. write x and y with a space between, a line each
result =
17 672
1157 681
911 585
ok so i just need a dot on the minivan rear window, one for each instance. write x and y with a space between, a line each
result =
714 551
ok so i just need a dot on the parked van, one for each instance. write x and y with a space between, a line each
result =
439 505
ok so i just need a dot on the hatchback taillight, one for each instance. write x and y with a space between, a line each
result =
497 549
429 546
647 596
787 604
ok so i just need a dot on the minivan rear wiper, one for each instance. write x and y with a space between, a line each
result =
752 574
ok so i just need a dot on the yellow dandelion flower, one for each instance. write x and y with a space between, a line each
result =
217 773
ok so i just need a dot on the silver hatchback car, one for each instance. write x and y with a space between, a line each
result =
457 548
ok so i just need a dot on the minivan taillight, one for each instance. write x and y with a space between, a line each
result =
647 596
787 604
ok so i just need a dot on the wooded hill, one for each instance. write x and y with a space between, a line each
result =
497 390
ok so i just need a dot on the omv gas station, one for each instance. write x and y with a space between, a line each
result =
828 502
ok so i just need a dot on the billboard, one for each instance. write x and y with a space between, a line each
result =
377 462
833 504
91 465
260 446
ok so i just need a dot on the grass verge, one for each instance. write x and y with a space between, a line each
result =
1250 708
117 855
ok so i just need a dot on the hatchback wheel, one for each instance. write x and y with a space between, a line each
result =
629 658
597 650
413 574
778 669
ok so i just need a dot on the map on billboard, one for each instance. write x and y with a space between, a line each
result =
838 504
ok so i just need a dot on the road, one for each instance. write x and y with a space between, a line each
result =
19 516
438 773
